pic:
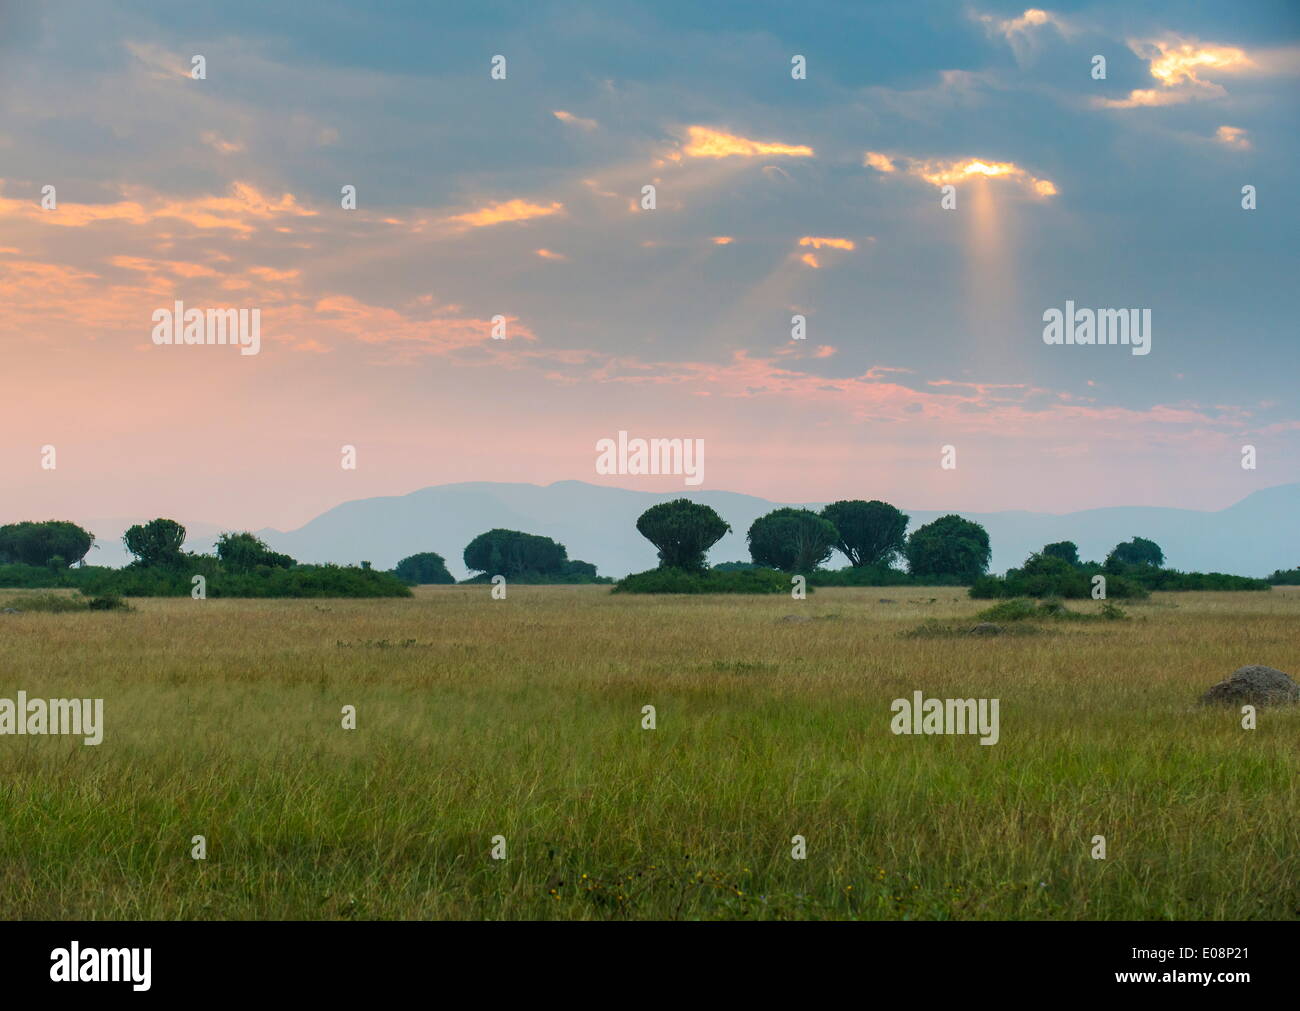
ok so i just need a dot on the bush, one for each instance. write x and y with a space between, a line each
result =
712 581
1172 579
1287 577
878 575
34 577
512 553
1019 609
1046 575
245 552
300 581
427 568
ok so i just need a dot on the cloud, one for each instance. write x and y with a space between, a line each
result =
818 242
546 254
949 171
160 63
723 240
704 142
1179 65
237 212
1234 137
503 212
877 161
1022 33
572 120
215 141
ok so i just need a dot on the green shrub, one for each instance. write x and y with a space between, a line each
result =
426 568
1286 577
1020 609
711 581
109 602
33 577
878 575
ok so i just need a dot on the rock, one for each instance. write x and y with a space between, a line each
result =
11 610
1253 685
986 628
796 617
886 600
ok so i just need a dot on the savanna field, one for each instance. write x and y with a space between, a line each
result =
522 718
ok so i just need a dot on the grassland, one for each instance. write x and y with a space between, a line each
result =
522 718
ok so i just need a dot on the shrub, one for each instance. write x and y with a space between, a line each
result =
1019 609
427 568
109 602
877 575
712 581
511 553
244 552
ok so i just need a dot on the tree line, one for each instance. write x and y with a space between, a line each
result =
870 535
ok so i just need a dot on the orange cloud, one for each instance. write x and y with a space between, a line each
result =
819 243
546 254
236 212
704 142
505 211
723 240
877 161
1234 137
1178 65
945 172
811 260
572 120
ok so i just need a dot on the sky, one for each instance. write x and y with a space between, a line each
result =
521 196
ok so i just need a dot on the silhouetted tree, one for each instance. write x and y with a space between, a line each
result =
1137 552
1066 551
870 533
157 542
950 546
682 531
423 569
512 553
56 543
794 540
244 552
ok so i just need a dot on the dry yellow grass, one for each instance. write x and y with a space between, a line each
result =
522 718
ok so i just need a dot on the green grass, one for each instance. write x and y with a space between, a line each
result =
522 718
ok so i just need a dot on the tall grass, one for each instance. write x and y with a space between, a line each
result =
522 718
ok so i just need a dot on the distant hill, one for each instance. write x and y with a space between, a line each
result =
598 524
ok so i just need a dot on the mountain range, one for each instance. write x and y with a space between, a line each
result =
598 524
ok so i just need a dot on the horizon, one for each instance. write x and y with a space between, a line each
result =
684 493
